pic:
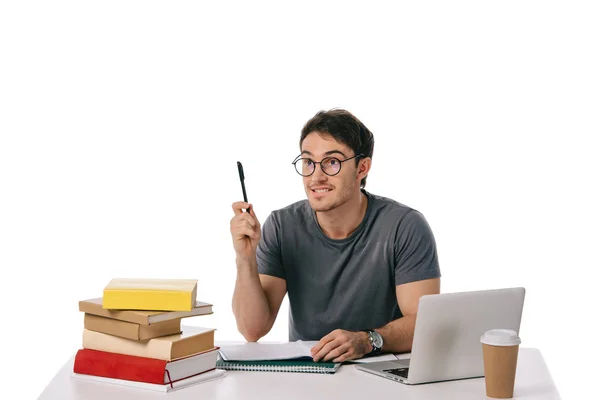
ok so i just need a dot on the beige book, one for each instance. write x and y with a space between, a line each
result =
191 341
131 330
94 306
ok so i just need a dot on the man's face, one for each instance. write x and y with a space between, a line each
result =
325 192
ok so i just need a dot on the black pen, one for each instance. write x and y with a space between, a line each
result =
241 171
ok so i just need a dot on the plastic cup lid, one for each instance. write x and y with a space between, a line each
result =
500 337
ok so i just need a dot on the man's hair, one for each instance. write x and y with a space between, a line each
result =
344 128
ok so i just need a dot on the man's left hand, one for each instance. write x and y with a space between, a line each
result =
341 345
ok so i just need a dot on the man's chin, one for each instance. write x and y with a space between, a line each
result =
318 206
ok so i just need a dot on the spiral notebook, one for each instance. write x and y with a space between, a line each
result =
280 366
274 357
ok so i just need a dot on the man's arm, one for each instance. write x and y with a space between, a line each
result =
398 334
341 345
416 256
256 300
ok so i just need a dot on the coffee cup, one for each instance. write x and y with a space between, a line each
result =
500 353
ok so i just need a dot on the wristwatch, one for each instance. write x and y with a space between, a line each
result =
375 340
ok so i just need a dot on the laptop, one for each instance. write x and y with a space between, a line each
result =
446 342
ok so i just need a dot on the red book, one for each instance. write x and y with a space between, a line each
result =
142 369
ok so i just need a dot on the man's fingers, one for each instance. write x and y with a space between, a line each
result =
246 218
324 340
239 207
246 224
316 348
246 230
251 211
343 357
336 352
325 350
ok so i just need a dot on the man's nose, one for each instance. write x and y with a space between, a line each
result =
318 175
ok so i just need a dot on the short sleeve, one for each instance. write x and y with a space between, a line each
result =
415 250
268 252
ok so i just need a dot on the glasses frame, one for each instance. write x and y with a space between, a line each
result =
299 158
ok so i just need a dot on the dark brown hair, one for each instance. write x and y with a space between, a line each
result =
344 128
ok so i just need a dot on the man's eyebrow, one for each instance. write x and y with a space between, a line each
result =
330 152
327 153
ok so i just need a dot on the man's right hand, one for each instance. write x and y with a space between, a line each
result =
245 230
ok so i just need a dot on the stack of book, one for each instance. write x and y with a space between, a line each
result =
133 336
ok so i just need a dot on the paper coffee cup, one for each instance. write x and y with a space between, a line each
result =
500 353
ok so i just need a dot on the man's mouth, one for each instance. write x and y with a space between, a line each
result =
320 190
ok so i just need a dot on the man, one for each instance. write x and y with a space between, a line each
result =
354 264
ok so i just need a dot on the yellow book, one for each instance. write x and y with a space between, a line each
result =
150 294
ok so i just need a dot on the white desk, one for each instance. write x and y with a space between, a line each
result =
533 381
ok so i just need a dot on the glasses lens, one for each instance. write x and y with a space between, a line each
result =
331 165
304 166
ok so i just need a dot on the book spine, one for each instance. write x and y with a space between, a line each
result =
119 366
113 344
131 330
122 315
111 326
157 300
159 329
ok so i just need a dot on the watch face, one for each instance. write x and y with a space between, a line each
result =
377 339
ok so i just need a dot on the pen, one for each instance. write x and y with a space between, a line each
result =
241 172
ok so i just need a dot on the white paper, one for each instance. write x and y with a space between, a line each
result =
193 380
254 351
282 351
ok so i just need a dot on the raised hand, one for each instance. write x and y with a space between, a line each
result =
245 230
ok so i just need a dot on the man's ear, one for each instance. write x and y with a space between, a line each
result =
364 166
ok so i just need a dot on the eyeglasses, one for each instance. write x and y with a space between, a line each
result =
329 165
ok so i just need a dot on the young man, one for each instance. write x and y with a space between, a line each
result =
354 264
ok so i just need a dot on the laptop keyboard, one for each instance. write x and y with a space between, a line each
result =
403 372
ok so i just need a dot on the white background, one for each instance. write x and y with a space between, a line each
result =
121 123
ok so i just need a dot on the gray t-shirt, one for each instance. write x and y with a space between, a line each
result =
349 283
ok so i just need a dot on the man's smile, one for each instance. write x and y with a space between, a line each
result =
320 190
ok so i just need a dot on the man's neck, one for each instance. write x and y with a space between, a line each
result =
345 219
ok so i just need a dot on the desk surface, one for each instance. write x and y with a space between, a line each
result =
533 381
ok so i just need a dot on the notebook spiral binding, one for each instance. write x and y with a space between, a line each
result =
290 366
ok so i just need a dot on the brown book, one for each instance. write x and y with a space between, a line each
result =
94 306
131 330
191 341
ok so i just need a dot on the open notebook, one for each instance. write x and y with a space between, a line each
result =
277 357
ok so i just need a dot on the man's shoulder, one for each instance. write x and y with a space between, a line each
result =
393 215
408 225
389 207
295 212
